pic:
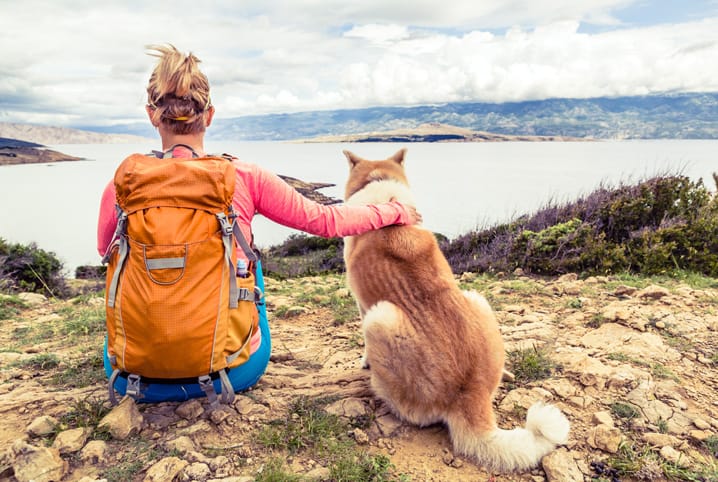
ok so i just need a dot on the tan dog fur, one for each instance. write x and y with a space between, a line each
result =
435 352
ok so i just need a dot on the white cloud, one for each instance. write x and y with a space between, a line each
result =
82 63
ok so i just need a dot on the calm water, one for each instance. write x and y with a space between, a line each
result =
458 186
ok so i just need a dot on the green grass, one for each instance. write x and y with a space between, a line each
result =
625 411
84 372
530 364
10 306
273 471
309 430
641 462
42 361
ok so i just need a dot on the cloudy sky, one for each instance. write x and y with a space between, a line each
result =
75 63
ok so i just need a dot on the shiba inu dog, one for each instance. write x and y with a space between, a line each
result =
435 352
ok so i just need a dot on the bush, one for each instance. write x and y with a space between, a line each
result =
657 226
29 268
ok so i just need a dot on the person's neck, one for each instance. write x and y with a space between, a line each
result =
195 141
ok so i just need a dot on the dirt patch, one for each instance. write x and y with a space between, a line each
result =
634 373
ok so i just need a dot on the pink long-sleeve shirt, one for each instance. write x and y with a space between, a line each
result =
257 191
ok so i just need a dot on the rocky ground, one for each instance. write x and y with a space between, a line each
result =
631 362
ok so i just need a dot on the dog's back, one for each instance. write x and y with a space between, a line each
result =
435 352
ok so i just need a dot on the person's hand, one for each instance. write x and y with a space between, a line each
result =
414 215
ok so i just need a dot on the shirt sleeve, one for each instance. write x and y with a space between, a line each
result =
281 203
107 219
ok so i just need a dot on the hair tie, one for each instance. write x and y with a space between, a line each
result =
182 118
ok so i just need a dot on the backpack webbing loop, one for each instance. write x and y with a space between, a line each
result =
111 383
112 290
207 386
227 388
226 228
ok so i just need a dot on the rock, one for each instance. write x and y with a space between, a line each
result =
701 424
642 346
32 299
624 291
221 466
196 471
181 444
700 435
348 407
518 309
562 387
360 436
653 292
606 438
94 453
42 425
220 414
660 439
675 457
387 424
165 470
190 410
296 310
603 418
560 466
123 421
247 407
318 473
567 277
37 464
71 441
524 398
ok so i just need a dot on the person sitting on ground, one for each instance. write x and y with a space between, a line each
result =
179 107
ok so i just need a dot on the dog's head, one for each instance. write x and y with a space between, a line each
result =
363 171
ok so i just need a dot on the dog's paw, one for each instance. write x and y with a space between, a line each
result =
365 362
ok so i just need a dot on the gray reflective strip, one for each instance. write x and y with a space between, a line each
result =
164 263
205 383
227 388
230 358
112 291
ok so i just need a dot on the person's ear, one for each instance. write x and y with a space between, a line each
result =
151 113
208 116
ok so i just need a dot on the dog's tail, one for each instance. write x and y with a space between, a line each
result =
517 449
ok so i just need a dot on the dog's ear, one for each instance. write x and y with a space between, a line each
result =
399 157
352 158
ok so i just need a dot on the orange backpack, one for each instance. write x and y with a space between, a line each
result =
176 308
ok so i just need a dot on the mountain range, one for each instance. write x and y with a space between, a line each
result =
665 116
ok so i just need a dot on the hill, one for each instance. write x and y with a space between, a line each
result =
433 132
660 116
62 135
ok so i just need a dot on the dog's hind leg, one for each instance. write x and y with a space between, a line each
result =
394 352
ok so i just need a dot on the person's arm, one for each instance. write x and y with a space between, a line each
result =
281 203
107 219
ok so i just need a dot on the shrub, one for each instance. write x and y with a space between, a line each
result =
29 268
657 226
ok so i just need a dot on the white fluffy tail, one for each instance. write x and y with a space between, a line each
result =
517 449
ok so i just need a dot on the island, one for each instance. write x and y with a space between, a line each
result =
14 151
436 132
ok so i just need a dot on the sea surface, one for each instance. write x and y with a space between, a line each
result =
459 187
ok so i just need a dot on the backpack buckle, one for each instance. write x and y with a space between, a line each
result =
133 386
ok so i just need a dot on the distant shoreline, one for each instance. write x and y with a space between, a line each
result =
14 151
436 132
